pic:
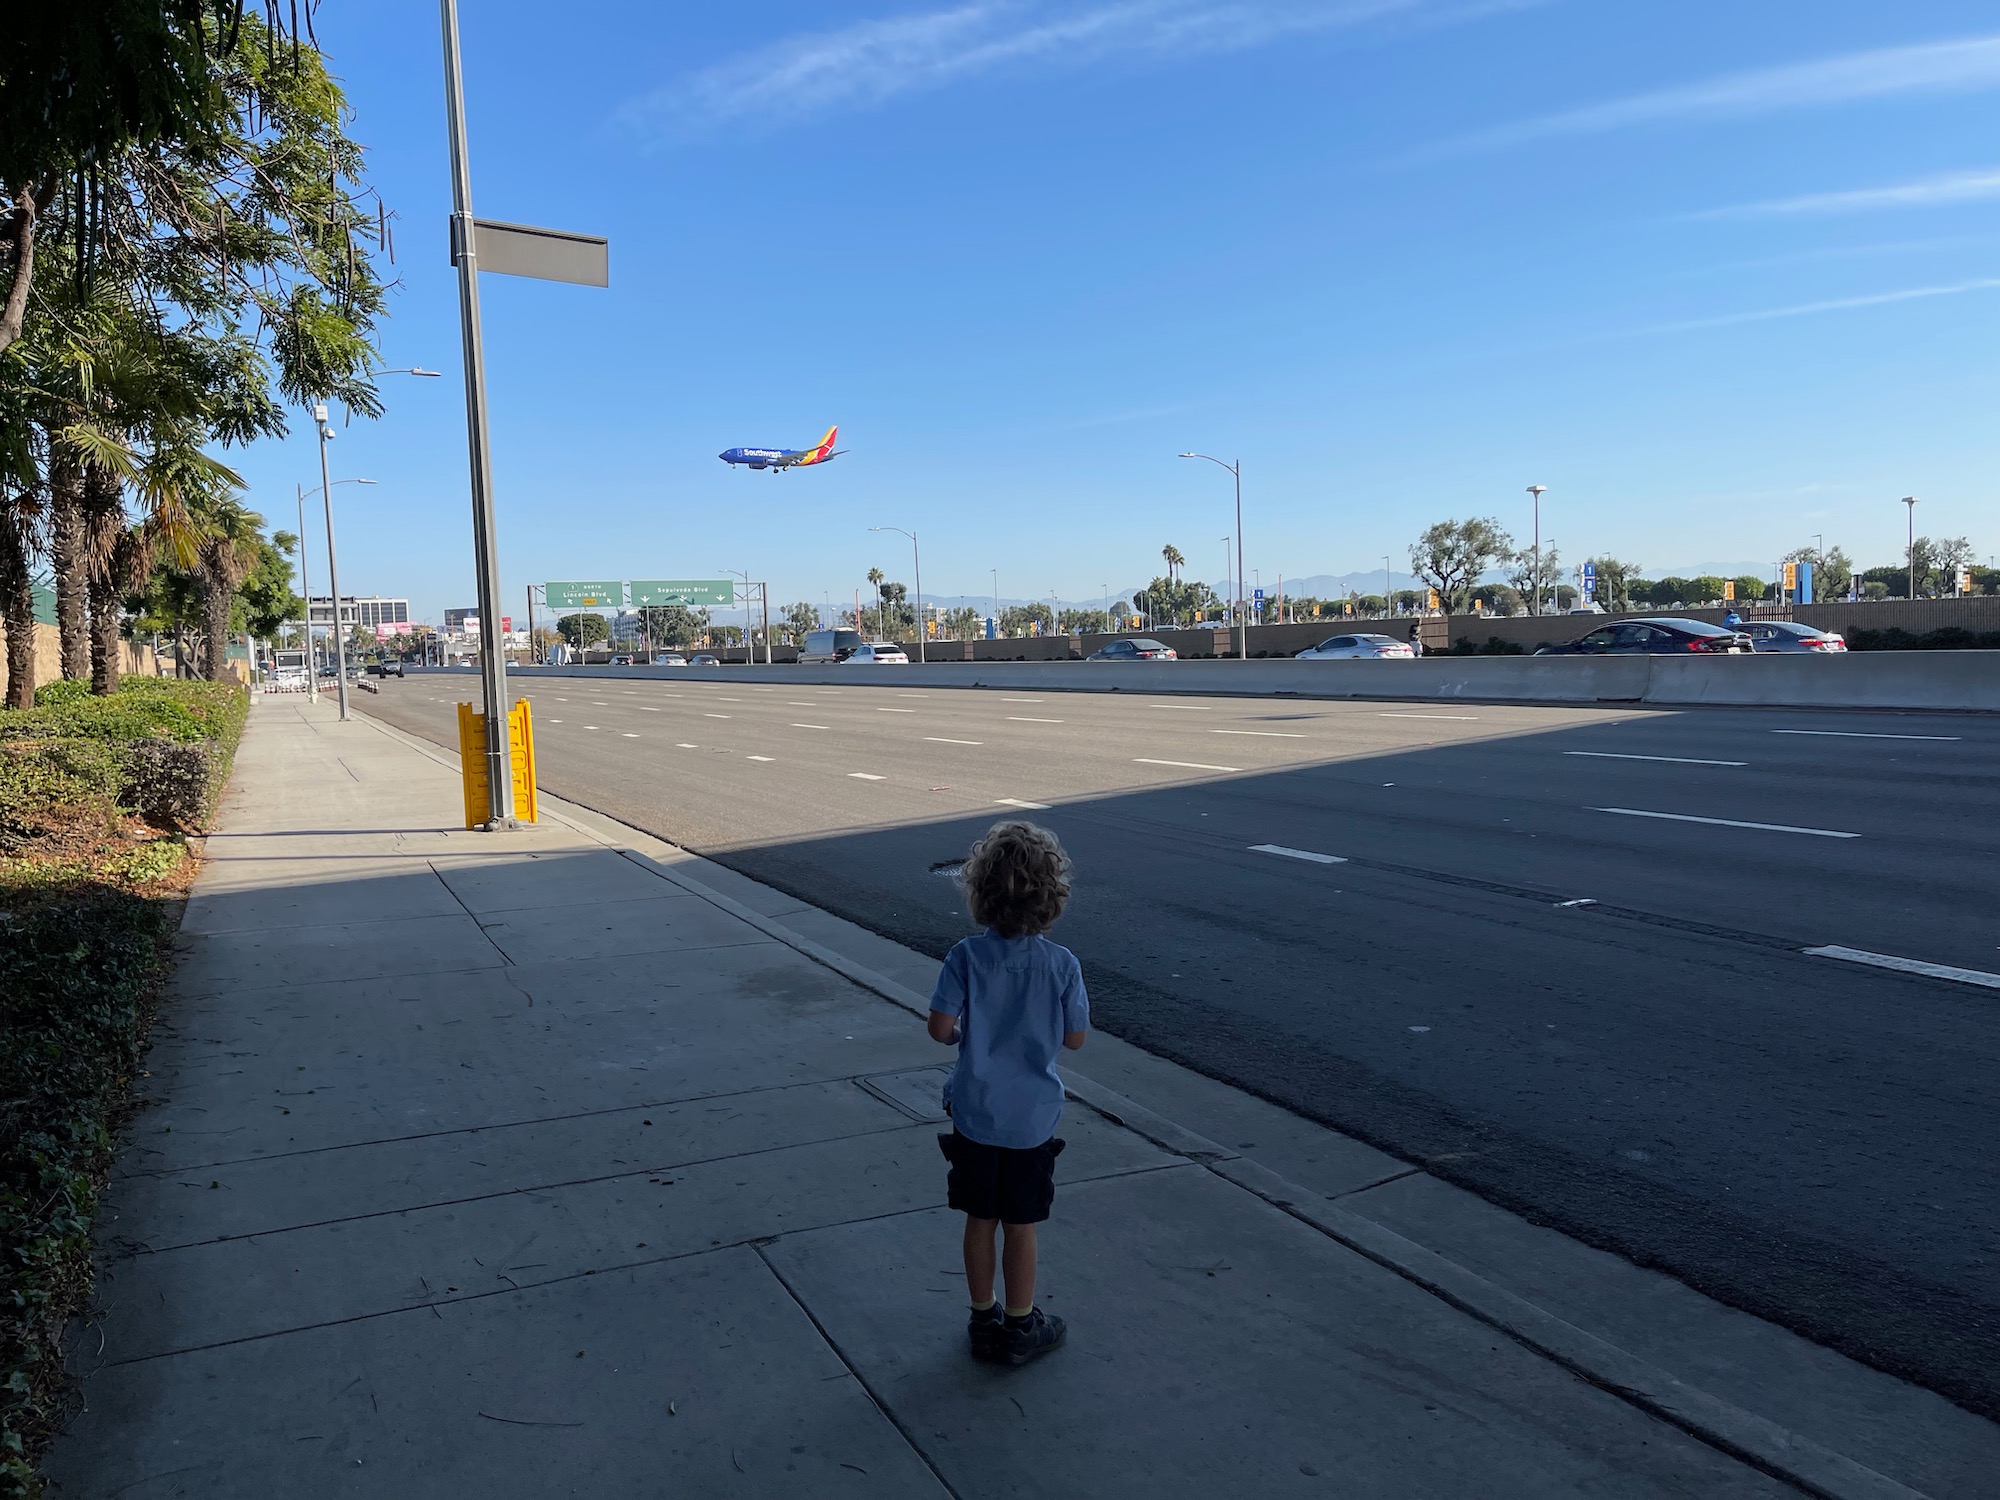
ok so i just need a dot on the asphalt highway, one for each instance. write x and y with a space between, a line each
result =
1560 956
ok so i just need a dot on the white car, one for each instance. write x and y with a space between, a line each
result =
1356 647
879 653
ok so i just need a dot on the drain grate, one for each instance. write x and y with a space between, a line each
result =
948 868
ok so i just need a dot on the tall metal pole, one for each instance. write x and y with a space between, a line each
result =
1242 625
1535 606
305 588
332 567
485 537
764 590
1910 501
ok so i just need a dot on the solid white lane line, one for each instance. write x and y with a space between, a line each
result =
1855 734
1633 812
909 695
809 726
1190 765
864 776
1909 965
1676 760
1023 719
940 740
1017 802
1269 734
880 710
1306 854
1458 718
715 716
1020 700
761 757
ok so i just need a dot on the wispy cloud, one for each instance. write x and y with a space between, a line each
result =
1924 192
1810 309
867 63
1961 66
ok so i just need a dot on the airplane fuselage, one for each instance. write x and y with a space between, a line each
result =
777 459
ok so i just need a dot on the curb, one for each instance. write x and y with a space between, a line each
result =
1743 1435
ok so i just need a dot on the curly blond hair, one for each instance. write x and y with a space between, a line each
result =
1016 879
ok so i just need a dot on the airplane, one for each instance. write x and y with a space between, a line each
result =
779 459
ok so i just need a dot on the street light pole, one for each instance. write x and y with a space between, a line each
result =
1225 569
996 599
1911 553
1388 595
485 534
332 563
305 589
1537 490
917 563
1242 629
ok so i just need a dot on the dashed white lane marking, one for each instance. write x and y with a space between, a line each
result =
1020 700
1017 802
1674 760
791 703
590 726
1024 719
684 745
864 776
1460 718
1186 765
1186 708
909 695
1306 854
881 710
809 726
1579 901
1268 734
728 700
552 721
715 716
1909 965
629 735
1855 734
1634 812
644 709
760 757
940 740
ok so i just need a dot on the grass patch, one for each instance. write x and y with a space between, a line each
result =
96 796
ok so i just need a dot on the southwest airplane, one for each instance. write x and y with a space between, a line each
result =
776 459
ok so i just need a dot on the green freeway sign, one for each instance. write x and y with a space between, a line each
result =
683 591
597 595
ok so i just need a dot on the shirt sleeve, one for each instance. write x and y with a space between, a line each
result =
1075 1002
949 995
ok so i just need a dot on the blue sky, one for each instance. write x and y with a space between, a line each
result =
1721 276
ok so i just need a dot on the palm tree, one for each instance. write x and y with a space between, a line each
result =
875 577
19 520
224 557
1171 555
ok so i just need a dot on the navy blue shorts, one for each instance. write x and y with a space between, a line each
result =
1000 1182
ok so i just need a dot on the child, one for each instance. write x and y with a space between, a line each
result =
1005 999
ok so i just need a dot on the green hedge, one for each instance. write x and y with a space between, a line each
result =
82 944
1946 638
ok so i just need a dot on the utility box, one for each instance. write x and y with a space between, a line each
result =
472 762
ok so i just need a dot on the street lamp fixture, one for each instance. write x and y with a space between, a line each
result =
917 563
1236 470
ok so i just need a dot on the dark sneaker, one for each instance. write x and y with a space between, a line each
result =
1024 1338
984 1331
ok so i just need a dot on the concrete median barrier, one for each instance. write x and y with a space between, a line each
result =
1961 681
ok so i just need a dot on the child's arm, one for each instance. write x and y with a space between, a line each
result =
1073 1040
944 1028
949 997
1075 1009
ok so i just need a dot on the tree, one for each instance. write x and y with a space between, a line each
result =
227 552
1937 560
1171 556
1016 619
673 624
964 623
1524 573
800 618
1832 571
1748 588
584 629
1452 555
1083 622
265 596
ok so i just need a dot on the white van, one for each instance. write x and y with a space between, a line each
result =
831 645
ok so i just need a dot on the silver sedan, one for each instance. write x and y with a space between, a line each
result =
1356 647
1785 635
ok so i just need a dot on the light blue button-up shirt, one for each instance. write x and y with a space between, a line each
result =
1014 999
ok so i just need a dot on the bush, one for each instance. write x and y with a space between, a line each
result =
1947 638
50 785
62 690
168 783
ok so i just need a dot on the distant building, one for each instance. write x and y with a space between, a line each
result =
466 622
369 610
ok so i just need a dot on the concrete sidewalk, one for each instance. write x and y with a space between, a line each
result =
561 1162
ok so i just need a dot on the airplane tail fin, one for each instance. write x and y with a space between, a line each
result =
823 449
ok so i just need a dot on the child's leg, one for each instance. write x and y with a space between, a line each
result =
979 1259
1019 1260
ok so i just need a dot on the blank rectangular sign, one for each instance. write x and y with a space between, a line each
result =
548 254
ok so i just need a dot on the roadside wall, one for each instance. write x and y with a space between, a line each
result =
133 658
1939 680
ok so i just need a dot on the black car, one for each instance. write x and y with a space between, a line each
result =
1656 637
385 669
1141 649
